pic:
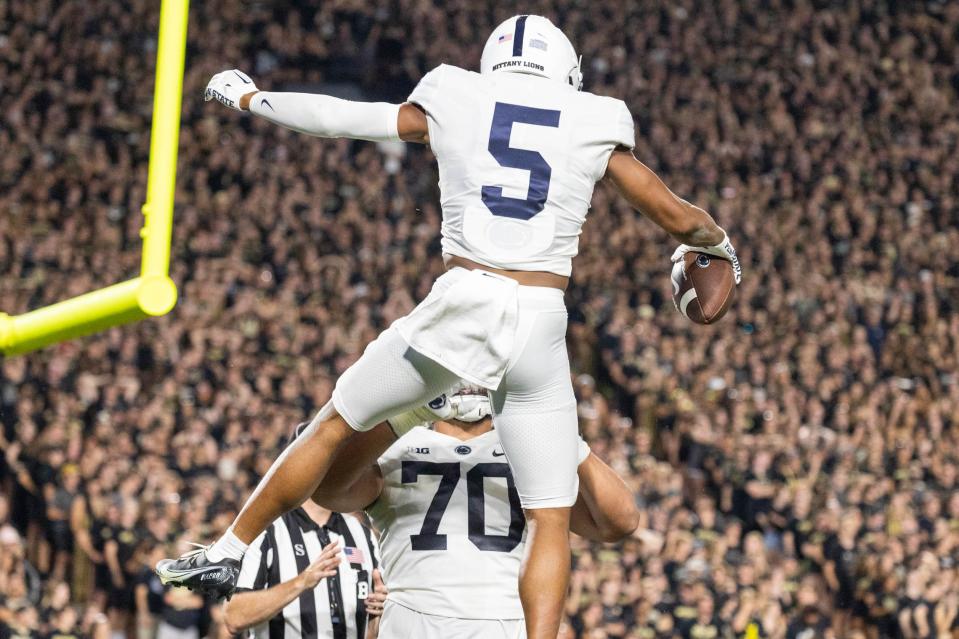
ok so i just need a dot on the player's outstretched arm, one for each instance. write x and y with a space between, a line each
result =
645 191
689 224
605 509
320 115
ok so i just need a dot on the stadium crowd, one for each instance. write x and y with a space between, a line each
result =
797 464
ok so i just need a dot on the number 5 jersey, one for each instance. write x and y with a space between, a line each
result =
451 526
518 157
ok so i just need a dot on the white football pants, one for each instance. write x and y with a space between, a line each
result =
534 409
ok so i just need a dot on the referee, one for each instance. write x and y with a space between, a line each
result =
308 576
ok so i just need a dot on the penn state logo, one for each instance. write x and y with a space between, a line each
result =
437 403
463 450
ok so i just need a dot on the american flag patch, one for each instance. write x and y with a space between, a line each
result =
538 44
354 555
505 38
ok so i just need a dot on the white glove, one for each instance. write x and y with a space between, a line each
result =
227 87
722 250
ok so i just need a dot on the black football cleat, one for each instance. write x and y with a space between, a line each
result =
215 579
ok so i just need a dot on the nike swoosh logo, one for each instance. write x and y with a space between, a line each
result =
241 77
498 453
267 103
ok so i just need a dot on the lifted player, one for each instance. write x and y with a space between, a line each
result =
452 529
519 150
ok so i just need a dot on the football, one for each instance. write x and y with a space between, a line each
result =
703 287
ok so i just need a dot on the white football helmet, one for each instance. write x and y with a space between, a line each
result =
471 405
535 46
463 404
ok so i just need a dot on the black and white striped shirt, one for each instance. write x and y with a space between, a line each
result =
336 608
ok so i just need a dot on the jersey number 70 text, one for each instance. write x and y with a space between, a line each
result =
449 472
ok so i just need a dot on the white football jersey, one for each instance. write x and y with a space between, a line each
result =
518 157
451 526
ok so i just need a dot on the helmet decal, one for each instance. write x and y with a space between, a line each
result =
520 34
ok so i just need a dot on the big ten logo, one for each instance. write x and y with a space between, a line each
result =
419 450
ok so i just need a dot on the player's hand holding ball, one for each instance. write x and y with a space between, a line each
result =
227 87
703 286
723 250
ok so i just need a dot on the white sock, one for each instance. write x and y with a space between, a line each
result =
229 545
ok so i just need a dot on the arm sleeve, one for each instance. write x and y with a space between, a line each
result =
328 117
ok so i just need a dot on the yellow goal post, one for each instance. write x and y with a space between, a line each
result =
153 293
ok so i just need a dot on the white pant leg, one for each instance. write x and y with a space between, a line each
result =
400 622
388 379
534 409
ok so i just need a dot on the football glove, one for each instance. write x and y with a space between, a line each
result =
723 250
227 87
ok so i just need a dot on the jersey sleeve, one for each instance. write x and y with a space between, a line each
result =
426 94
253 568
624 133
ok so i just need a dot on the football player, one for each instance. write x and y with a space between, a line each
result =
519 149
451 524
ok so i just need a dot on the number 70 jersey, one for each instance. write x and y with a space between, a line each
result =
451 526
518 158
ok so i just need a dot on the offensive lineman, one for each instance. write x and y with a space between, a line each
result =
451 525
519 150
